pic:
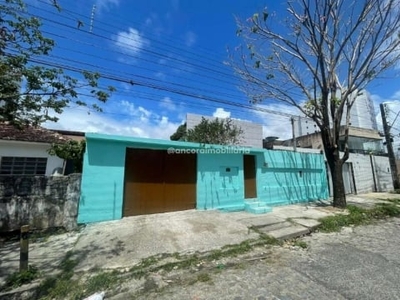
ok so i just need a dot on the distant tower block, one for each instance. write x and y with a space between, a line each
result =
363 113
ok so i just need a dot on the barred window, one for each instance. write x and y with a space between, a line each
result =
23 165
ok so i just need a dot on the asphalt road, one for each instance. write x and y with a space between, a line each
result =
357 263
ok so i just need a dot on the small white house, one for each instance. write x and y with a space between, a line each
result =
24 151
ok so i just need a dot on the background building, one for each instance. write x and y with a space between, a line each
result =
252 135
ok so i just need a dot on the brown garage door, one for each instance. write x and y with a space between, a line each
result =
156 181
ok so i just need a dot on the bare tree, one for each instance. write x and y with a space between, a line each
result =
318 58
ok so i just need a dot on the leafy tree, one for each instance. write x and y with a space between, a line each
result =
70 150
179 134
217 131
28 89
318 57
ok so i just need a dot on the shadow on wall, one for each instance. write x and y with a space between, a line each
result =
211 191
300 177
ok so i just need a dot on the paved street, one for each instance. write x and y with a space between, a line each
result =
360 263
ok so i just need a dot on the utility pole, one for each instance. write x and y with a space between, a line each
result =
294 135
389 145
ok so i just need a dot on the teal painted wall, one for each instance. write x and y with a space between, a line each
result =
286 177
102 182
219 181
283 177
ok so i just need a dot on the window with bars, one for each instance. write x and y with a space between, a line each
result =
23 165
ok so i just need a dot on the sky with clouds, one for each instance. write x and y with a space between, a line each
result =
166 59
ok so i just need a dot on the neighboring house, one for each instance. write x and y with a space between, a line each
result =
252 135
24 151
72 135
361 140
125 176
366 170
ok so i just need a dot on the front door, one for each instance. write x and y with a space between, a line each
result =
250 182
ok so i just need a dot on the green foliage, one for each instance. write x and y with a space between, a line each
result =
100 282
180 133
29 90
70 150
301 244
359 216
220 132
204 277
20 278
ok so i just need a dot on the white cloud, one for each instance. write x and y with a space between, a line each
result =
154 126
190 38
130 41
221 113
160 75
168 104
106 4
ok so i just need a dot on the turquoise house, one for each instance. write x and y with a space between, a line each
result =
125 176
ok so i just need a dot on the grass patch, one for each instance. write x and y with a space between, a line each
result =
20 278
359 216
394 201
301 244
100 282
61 288
204 277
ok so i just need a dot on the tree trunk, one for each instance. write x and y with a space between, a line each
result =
339 194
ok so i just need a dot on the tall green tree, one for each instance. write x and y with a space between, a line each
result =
28 89
216 131
179 134
318 55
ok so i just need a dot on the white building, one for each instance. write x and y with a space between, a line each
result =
362 115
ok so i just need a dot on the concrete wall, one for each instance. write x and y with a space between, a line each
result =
364 172
29 149
384 182
252 133
42 202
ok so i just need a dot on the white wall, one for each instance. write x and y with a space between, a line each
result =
362 115
29 149
363 173
384 179
363 176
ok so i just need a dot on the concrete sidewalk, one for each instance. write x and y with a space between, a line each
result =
123 243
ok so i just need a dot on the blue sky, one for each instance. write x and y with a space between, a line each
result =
159 52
